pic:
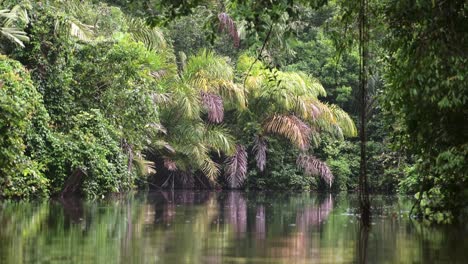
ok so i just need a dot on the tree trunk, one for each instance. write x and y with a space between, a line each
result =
363 72
73 183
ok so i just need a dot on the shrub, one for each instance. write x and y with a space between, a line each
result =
21 110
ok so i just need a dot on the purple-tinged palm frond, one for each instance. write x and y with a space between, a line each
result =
170 164
314 111
236 167
214 105
259 148
159 74
227 24
313 166
290 127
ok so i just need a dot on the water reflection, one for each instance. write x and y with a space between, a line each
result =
220 227
235 212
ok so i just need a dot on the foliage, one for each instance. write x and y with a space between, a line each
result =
48 55
202 88
253 94
426 95
125 87
93 146
280 171
343 159
285 104
237 167
22 111
100 89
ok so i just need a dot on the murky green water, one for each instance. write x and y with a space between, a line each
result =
222 227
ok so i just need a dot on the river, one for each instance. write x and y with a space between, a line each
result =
223 227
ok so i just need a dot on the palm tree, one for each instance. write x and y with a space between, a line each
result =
192 116
287 104
278 103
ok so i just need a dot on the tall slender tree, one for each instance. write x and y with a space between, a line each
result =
363 74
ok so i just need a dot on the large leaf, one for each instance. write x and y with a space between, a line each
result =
153 38
214 105
315 167
8 25
259 149
236 168
229 26
290 127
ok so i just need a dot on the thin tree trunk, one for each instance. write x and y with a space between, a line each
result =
260 53
363 71
363 243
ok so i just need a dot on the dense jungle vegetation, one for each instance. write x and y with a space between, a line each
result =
101 97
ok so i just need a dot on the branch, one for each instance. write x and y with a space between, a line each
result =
259 54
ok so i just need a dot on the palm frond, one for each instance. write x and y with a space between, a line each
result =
314 110
182 60
335 120
344 121
236 167
218 139
79 30
210 169
290 127
185 100
152 38
233 93
214 105
159 74
161 145
70 26
226 24
254 68
206 71
8 27
15 35
144 167
260 148
162 98
300 84
315 167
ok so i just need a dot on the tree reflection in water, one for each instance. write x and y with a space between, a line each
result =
260 223
227 217
219 227
313 215
235 213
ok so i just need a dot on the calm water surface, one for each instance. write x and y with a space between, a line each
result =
222 227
